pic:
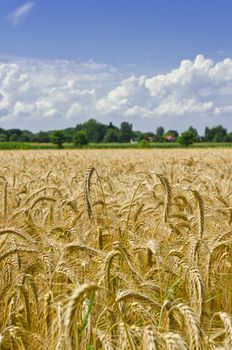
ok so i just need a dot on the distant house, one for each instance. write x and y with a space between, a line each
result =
151 138
170 138
133 142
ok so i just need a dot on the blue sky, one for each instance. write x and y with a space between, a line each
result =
161 32
62 62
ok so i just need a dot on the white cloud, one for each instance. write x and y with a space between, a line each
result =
20 13
68 92
198 88
39 89
183 107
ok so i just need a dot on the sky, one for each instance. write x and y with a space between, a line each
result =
148 62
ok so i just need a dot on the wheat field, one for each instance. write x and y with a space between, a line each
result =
116 249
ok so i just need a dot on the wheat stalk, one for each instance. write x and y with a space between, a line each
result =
73 306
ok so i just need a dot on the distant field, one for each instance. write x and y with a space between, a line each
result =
24 145
115 250
157 145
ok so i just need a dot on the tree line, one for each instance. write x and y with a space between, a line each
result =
93 131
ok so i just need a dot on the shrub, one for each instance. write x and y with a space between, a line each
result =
80 139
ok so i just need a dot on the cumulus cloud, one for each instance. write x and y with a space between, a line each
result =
198 90
20 13
31 90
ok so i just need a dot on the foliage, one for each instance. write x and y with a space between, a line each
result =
186 138
23 138
13 138
228 137
58 138
94 130
3 137
159 133
41 136
97 132
111 135
27 136
17 132
194 133
144 144
112 145
137 136
14 145
215 134
149 136
125 132
80 139
69 134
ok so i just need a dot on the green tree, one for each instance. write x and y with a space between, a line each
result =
187 138
215 134
10 132
111 135
80 138
27 135
94 130
149 136
23 138
13 138
195 133
3 138
58 138
125 133
137 136
69 134
41 136
159 133
228 137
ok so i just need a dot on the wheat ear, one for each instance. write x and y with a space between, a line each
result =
72 309
168 195
150 338
227 321
201 211
192 323
174 341
87 189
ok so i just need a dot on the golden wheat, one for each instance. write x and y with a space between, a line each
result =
116 250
